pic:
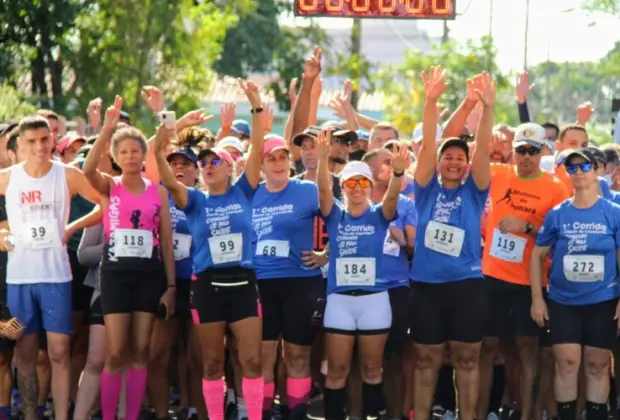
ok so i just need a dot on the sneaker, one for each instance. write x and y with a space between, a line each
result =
448 415
492 416
437 412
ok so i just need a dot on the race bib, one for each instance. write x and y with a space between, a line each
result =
444 238
584 268
355 272
390 246
135 243
226 248
508 247
182 244
270 248
41 234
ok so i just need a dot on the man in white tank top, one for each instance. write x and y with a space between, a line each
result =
38 192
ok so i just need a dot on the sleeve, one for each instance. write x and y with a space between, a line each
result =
420 193
378 211
90 249
524 113
335 214
548 233
615 216
192 198
244 185
411 215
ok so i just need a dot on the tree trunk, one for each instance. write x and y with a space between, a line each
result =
39 87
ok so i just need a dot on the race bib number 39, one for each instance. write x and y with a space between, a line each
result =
182 244
226 248
270 248
41 234
134 243
355 272
444 238
507 247
584 268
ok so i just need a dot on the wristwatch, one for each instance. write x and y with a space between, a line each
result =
398 175
256 110
528 228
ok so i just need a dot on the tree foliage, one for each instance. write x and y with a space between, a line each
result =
13 105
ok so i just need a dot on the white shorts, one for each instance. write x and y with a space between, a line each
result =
364 314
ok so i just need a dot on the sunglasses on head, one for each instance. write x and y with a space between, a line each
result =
525 150
352 183
584 167
215 162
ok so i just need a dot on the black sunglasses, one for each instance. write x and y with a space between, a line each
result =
524 150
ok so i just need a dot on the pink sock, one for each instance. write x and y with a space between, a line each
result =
253 394
136 385
111 384
213 393
269 394
298 391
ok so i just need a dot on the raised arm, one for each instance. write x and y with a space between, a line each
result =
324 181
99 181
254 161
522 90
301 110
434 85
390 201
175 188
458 120
484 87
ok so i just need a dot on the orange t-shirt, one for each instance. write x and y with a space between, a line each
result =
507 256
562 175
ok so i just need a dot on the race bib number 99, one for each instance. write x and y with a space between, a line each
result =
226 248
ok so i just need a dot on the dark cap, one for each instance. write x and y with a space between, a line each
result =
585 154
5 128
185 152
611 155
311 132
454 142
598 154
345 136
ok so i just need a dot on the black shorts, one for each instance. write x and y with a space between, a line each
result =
510 310
131 291
452 311
216 303
292 308
80 293
399 302
588 325
95 314
181 306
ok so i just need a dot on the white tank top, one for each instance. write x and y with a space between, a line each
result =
38 211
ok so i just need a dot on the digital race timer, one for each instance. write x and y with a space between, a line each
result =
404 9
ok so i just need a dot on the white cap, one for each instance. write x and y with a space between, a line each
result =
530 134
231 141
355 168
417 133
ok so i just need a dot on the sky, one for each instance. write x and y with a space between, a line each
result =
555 31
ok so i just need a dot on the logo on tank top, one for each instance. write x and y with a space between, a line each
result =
135 219
33 200
114 220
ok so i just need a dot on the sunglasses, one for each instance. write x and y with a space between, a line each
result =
215 162
584 167
524 150
352 183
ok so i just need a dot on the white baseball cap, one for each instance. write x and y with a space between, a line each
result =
417 133
231 141
355 168
530 134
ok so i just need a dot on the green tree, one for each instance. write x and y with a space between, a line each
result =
13 105
606 6
404 91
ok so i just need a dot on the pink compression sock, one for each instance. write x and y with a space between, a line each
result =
298 391
269 395
213 393
111 384
253 395
136 385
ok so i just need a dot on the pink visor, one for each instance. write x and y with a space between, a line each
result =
274 143
221 153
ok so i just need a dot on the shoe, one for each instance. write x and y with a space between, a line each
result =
448 415
492 416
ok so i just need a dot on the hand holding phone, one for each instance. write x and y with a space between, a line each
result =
168 119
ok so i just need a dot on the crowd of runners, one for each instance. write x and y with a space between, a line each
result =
243 273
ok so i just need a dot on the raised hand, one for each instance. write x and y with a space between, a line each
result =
434 82
292 92
94 113
484 87
227 114
585 112
251 92
193 118
113 113
317 88
154 98
312 68
162 137
401 160
323 143
523 87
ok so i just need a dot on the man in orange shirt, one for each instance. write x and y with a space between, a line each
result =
520 197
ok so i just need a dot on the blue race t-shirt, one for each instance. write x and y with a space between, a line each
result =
605 189
447 244
395 260
584 267
283 227
182 242
221 226
356 249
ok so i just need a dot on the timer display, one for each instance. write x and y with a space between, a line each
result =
387 9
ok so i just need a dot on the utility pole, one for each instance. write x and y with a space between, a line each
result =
527 27
490 34
356 48
446 32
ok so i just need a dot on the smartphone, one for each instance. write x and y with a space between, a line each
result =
168 119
